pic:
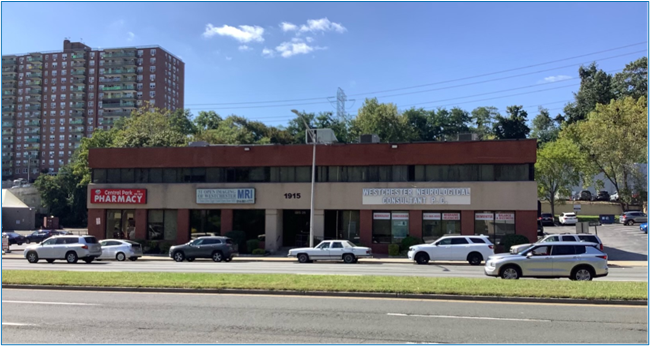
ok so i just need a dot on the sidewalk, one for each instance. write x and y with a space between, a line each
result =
19 255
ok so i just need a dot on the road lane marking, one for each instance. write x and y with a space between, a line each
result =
45 303
16 324
470 317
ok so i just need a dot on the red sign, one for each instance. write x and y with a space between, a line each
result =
450 216
118 196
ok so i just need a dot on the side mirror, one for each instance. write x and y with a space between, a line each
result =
529 255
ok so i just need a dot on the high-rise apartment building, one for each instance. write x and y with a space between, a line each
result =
51 100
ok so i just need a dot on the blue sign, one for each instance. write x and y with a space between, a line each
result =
225 196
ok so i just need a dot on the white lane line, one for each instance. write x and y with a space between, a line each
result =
470 317
45 303
16 324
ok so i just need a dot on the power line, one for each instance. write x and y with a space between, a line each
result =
435 83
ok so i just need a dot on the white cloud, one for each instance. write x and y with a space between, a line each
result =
557 78
244 48
130 37
288 26
322 25
309 39
244 34
289 49
228 58
268 53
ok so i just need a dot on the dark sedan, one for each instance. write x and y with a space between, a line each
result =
15 238
40 235
547 219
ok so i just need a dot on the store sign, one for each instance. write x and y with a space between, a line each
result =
381 216
401 216
484 217
225 196
505 217
118 196
451 216
431 216
416 196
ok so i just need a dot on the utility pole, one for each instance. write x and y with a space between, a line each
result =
313 137
340 105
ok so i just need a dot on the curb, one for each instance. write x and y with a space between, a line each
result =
333 294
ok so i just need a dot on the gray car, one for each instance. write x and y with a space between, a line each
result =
629 218
217 248
575 260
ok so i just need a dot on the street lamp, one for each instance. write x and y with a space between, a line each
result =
313 176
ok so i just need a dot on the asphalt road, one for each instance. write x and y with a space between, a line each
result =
93 317
622 243
319 268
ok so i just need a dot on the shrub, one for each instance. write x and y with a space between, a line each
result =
238 238
513 239
410 241
393 250
252 245
258 252
164 247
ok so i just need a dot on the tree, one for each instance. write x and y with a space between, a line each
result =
323 120
595 88
382 119
420 123
633 80
207 121
557 169
483 120
514 126
180 121
614 139
545 129
146 128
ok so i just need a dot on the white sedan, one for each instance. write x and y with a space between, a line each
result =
331 250
120 249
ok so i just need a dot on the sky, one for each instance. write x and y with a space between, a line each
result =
238 56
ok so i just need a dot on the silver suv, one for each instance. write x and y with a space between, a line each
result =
575 260
70 248
590 238
630 217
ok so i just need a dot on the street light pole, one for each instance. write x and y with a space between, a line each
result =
313 177
29 168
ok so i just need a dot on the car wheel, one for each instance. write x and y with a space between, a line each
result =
32 257
71 257
474 259
348 258
228 259
120 257
630 223
50 261
89 260
179 256
217 256
422 258
582 274
27 241
19 244
510 273
133 259
303 258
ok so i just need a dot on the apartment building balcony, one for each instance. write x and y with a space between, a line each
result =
77 105
6 62
8 138
8 117
76 122
7 163
118 88
119 54
121 104
33 123
78 81
119 63
119 71
33 108
35 76
35 59
34 146
36 91
34 67
77 129
9 85
79 97
32 131
78 56
9 98
77 114
8 77
33 83
116 113
8 108
7 156
33 140
35 100
76 138
114 97
78 73
9 69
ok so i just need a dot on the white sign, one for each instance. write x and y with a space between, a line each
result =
423 196
381 216
577 207
451 216
430 216
505 217
401 216
225 196
98 221
484 216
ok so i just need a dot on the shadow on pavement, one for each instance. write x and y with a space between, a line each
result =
620 255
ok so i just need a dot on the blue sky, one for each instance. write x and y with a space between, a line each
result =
242 53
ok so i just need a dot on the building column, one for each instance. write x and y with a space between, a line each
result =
182 226
226 220
273 230
467 222
319 225
415 223
365 227
526 224
97 229
141 224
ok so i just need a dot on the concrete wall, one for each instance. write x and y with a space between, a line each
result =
587 208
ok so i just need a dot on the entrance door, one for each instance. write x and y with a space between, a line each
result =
120 224
295 228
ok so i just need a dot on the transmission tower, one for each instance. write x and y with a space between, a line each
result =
340 105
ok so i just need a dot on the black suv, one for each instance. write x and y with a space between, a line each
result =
217 248
602 196
585 196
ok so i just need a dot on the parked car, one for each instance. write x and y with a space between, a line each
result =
331 250
585 195
602 196
199 235
42 234
15 238
614 197
473 249
217 248
120 249
547 219
574 260
631 217
555 238
644 227
568 219
70 248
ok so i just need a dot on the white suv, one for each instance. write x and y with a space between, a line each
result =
473 249
70 248
568 219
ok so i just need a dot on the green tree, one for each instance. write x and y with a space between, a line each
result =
483 121
382 119
557 169
545 129
633 80
180 120
146 128
323 120
207 121
595 88
420 123
514 126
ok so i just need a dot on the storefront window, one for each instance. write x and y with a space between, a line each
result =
250 221
205 222
494 224
120 224
436 225
161 225
342 224
390 227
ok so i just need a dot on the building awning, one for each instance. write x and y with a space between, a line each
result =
9 200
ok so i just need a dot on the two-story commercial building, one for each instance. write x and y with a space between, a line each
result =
373 194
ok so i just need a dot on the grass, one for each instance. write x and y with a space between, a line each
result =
587 218
601 290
